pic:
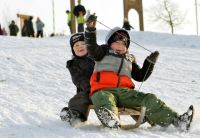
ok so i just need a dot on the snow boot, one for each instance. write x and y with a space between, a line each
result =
183 121
69 115
108 118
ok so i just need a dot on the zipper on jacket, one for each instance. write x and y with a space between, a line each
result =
98 77
119 70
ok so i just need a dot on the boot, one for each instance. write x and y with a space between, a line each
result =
183 121
69 115
108 118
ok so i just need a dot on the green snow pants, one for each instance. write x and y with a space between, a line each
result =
157 112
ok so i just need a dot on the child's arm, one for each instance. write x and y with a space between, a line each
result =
142 74
78 77
96 51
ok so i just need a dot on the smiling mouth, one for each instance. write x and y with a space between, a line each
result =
118 51
81 50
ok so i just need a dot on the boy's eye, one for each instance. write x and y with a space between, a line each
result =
121 43
83 43
80 44
76 45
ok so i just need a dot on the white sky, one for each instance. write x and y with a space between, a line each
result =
109 12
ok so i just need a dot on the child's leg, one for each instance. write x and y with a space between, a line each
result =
105 99
105 108
80 103
157 111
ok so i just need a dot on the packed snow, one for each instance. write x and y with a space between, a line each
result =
35 85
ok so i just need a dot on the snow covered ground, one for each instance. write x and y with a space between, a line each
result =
35 86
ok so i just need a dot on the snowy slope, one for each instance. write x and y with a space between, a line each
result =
35 85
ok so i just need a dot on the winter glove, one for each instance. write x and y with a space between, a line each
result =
153 57
92 18
91 23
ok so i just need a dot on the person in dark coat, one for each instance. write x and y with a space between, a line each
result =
4 31
79 8
79 11
13 28
127 25
80 67
30 29
24 28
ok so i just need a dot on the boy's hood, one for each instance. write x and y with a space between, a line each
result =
114 31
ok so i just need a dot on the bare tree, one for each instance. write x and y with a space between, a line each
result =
168 12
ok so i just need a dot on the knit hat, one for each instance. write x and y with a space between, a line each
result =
75 38
118 34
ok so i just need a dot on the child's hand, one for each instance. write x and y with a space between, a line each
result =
91 21
153 56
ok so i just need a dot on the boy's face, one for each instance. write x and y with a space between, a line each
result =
80 48
80 13
119 47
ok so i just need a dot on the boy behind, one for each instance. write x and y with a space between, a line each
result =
80 67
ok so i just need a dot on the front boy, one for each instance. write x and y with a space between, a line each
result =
112 85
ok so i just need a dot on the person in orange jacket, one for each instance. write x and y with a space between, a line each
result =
112 83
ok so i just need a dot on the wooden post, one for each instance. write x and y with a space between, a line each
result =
73 21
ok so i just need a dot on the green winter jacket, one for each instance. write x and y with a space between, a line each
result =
69 16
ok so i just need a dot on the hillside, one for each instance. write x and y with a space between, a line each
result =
35 85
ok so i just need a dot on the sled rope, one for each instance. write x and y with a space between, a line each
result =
129 39
144 77
148 51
